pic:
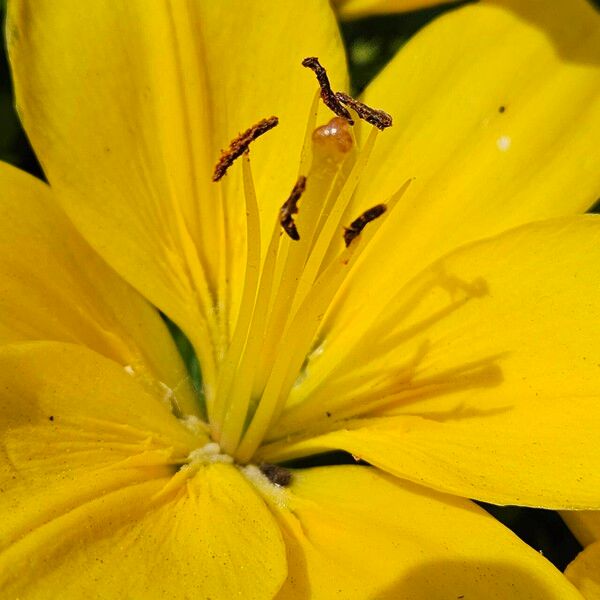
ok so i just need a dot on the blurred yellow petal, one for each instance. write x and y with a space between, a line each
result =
354 9
127 106
86 455
584 572
482 375
352 532
496 116
584 524
54 287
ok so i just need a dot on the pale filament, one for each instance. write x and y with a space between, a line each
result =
288 291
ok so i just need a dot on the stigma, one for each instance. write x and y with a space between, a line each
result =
334 137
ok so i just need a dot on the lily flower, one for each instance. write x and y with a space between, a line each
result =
422 297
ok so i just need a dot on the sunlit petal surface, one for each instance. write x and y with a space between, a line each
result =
109 512
53 286
496 115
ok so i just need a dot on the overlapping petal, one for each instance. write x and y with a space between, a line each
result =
480 370
53 286
354 9
352 532
584 524
127 107
89 506
584 572
496 111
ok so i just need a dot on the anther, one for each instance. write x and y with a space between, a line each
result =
374 116
290 208
275 474
327 94
361 222
240 144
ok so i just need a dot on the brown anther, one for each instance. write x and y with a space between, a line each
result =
374 116
290 208
327 94
275 474
352 232
240 144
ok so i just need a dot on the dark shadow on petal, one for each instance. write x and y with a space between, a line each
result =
555 20
461 580
418 308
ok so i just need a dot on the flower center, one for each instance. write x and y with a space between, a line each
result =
288 291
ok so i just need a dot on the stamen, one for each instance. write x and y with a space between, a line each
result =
328 96
290 208
322 370
297 337
311 123
240 144
374 116
286 296
301 331
361 222
327 159
253 259
244 381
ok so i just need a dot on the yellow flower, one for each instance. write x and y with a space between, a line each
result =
453 344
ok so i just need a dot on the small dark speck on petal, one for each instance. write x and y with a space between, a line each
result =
51 418
501 109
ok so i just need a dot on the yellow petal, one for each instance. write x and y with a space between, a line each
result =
75 425
54 287
584 524
482 373
354 9
215 539
584 572
128 106
86 456
352 532
496 112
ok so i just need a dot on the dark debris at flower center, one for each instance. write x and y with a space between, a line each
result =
275 474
